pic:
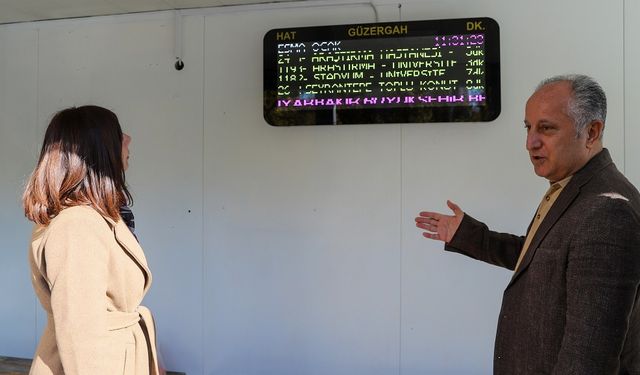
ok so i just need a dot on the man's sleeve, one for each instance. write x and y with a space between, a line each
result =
603 275
474 239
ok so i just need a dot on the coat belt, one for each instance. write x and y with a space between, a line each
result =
120 320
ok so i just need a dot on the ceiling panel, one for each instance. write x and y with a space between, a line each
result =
28 10
12 11
184 4
128 6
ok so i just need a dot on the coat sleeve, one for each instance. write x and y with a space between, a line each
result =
603 276
77 257
474 239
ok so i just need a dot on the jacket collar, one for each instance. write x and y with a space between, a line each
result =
567 196
128 242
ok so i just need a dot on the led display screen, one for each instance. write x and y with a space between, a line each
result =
399 72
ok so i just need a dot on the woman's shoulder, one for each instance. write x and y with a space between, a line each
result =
77 211
78 230
78 217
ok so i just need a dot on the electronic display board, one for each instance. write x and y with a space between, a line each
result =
397 72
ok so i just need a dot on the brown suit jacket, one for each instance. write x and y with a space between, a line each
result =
572 306
90 276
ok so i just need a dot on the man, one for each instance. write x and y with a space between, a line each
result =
571 306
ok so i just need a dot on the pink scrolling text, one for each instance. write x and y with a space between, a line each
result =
382 100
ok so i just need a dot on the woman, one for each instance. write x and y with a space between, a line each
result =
87 269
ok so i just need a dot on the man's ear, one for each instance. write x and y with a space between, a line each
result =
594 132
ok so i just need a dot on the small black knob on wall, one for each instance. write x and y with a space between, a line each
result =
179 65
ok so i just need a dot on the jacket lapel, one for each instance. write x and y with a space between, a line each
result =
128 242
567 196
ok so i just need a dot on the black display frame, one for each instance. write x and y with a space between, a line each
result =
489 111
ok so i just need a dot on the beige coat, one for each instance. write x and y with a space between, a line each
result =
90 276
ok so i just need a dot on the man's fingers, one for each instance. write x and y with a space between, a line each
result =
431 215
454 207
435 223
428 221
433 236
433 227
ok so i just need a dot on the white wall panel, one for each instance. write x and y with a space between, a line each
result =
18 152
302 240
632 90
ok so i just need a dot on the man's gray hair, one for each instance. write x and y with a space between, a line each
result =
588 103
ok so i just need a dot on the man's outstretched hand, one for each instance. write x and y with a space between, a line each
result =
439 226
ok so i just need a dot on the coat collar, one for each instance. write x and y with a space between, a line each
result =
128 242
567 196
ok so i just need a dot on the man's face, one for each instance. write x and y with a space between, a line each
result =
554 149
